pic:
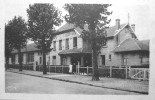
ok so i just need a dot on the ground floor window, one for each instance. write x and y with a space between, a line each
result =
124 60
13 59
64 61
103 59
30 57
54 60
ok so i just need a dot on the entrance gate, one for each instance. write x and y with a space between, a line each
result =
139 73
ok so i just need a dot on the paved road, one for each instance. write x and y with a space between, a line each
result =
19 83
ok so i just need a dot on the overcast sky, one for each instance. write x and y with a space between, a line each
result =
139 12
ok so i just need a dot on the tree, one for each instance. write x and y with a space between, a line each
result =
16 37
41 21
95 17
8 44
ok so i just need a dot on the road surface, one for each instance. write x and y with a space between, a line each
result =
20 83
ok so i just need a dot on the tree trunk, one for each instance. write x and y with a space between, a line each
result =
7 63
95 76
44 62
20 60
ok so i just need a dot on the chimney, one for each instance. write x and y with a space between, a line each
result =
117 24
133 27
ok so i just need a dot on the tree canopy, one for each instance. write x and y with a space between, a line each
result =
42 19
15 35
16 32
95 16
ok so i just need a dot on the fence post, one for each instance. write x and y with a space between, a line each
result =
62 68
129 71
55 69
126 72
110 71
144 74
78 67
87 70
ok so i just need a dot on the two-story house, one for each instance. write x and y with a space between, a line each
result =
69 48
123 48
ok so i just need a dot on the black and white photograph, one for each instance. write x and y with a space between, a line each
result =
77 49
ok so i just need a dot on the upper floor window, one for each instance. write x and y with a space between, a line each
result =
39 53
60 44
40 60
67 43
74 42
54 45
110 57
141 59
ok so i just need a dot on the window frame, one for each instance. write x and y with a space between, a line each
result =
54 45
60 44
75 42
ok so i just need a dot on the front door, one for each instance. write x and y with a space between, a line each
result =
74 63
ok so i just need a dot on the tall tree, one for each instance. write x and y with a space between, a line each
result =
8 45
42 18
16 32
95 16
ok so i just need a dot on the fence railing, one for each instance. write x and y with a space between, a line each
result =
83 70
108 71
139 73
54 68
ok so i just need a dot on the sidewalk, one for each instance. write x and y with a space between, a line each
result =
111 83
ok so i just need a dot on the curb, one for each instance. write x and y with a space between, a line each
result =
82 83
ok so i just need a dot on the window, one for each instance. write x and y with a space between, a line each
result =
54 46
54 60
64 61
103 59
67 43
13 59
141 59
30 57
39 53
117 39
60 44
74 42
110 57
40 60
48 62
124 60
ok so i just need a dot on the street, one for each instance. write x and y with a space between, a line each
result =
19 83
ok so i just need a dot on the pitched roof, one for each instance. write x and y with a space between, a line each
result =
75 51
30 47
133 45
110 31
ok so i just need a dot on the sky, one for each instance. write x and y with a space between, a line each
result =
139 12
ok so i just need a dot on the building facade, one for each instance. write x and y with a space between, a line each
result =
69 48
